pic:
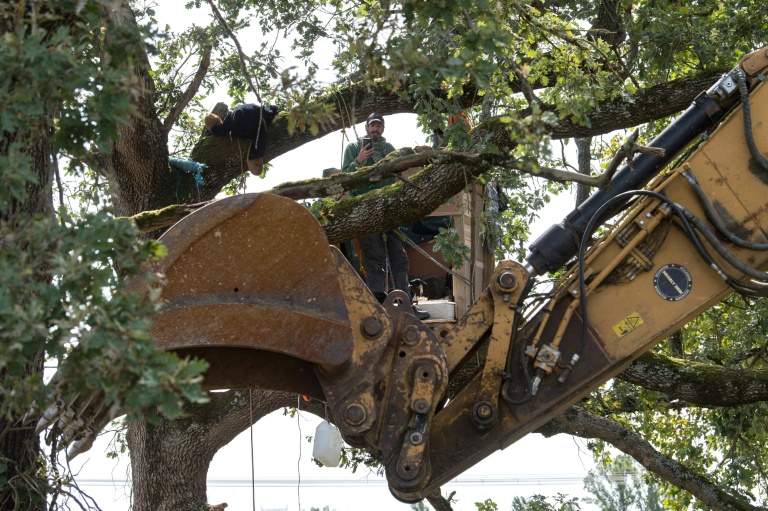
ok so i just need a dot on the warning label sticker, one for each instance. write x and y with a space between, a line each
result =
628 324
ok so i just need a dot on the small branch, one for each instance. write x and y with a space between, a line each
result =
627 152
191 91
408 181
438 502
240 54
55 165
525 86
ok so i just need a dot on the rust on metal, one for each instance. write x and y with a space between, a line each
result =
231 282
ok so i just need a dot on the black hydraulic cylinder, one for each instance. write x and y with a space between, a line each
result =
561 242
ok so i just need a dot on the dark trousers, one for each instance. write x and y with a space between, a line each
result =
374 250
243 122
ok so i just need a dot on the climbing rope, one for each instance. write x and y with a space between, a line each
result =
253 469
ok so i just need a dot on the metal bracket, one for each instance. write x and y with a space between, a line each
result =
508 283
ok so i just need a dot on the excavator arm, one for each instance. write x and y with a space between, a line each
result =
252 286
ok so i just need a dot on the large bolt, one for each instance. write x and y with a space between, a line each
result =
411 335
354 414
507 280
416 438
372 327
484 411
421 406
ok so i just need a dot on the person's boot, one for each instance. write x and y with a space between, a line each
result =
212 120
256 166
420 314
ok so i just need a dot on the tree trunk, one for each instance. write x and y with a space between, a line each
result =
19 445
169 461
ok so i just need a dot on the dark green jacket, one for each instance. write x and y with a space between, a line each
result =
349 165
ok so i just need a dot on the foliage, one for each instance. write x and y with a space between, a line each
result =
453 251
49 66
63 296
65 302
727 443
486 505
541 503
620 487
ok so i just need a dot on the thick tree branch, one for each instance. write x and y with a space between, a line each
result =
697 383
338 184
189 94
446 177
149 221
648 104
334 185
224 155
578 422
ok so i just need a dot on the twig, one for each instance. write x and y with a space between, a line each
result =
239 49
191 91
55 165
627 152
408 181
526 88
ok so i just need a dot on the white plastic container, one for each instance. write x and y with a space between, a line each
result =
441 310
327 448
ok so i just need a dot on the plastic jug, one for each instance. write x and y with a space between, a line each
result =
327 448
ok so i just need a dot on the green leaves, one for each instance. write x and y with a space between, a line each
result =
63 298
454 252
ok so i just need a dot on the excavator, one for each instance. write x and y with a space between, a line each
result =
253 287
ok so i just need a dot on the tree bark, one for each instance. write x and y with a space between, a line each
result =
701 384
583 146
170 460
19 445
137 164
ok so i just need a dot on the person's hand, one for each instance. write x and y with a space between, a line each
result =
364 154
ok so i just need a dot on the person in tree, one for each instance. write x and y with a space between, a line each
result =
378 249
246 121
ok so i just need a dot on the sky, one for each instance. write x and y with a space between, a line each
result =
281 453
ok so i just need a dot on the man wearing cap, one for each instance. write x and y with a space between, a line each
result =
377 248
357 156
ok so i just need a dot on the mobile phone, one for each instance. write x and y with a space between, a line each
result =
367 142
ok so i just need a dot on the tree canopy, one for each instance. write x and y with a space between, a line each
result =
97 95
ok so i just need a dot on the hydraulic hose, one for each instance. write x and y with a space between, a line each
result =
715 218
741 81
561 241
720 248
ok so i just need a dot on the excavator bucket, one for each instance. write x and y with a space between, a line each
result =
254 272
